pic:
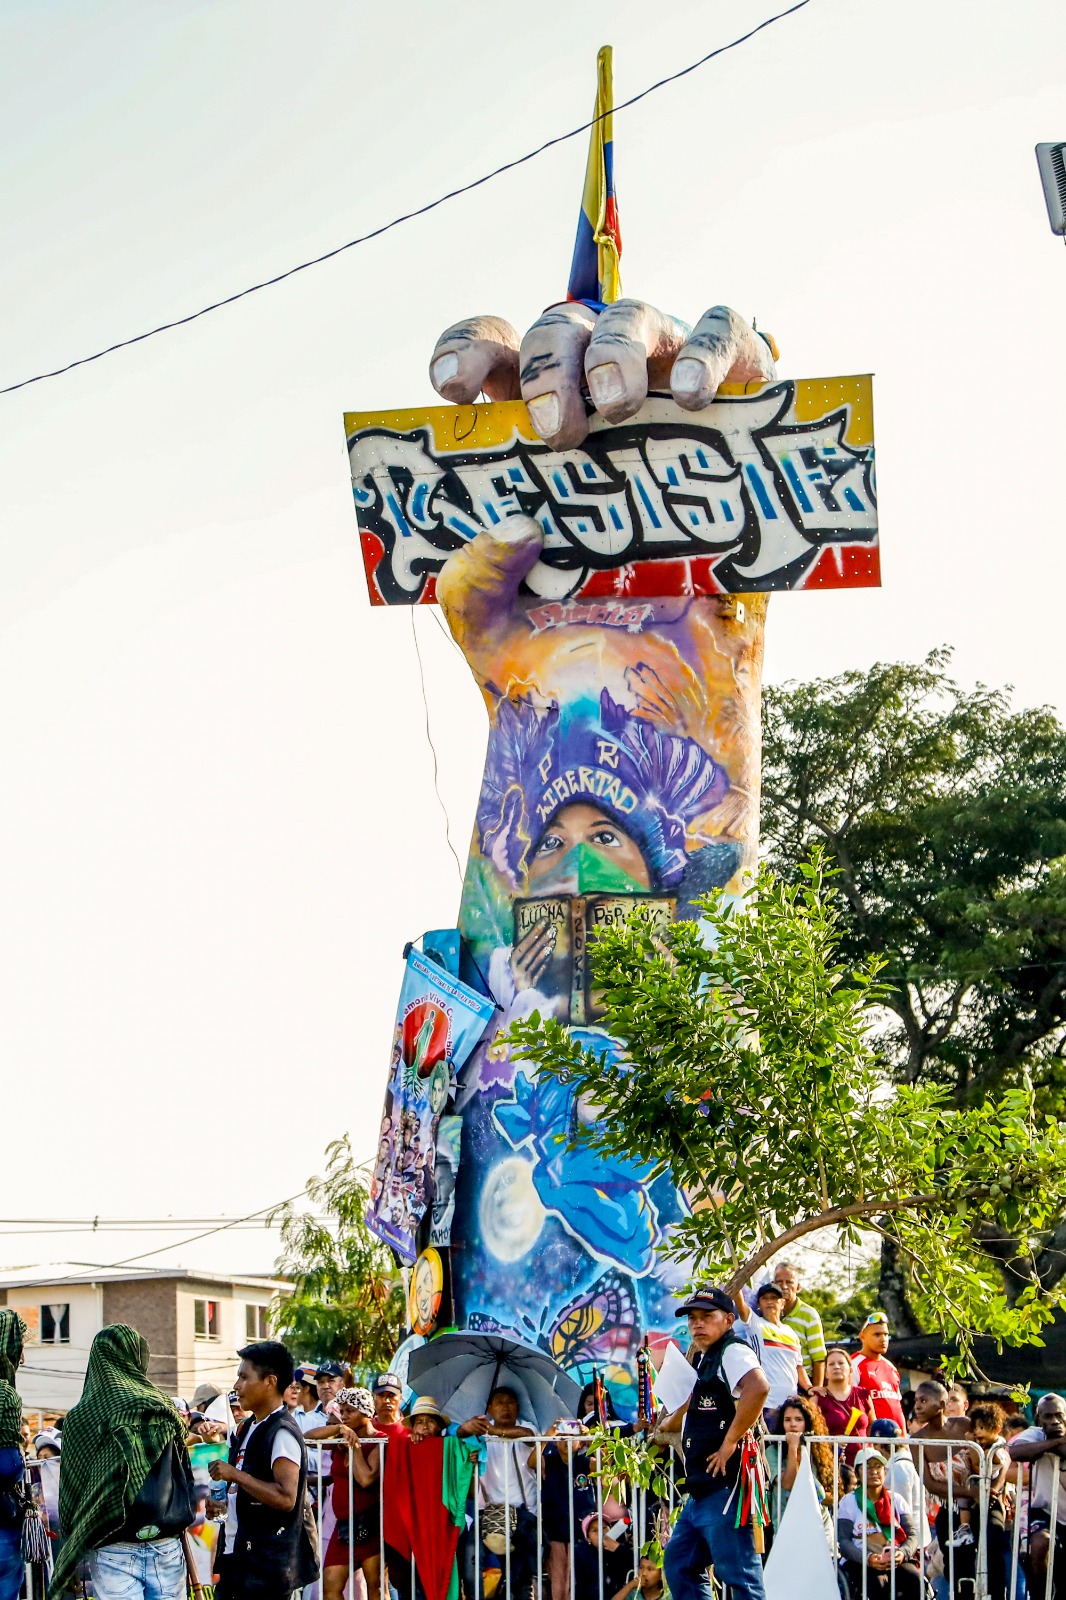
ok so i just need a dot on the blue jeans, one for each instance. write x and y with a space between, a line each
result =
153 1571
704 1536
12 1570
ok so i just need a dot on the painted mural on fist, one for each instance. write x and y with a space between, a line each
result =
621 770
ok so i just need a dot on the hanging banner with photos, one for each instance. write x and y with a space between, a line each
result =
438 1023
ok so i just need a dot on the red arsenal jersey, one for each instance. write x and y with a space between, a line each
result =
880 1378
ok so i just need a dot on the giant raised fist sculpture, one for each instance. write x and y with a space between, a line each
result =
602 562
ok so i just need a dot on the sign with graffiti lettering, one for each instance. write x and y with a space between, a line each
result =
438 1023
768 489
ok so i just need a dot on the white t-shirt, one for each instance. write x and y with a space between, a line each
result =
506 1475
737 1361
780 1356
1042 1475
284 1448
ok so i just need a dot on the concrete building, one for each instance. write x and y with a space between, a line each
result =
193 1321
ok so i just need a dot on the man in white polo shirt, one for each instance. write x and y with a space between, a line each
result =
729 1393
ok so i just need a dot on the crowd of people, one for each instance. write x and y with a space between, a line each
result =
904 1480
300 1479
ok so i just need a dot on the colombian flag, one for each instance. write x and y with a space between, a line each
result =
595 277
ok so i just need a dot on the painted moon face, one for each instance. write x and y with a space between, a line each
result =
510 1214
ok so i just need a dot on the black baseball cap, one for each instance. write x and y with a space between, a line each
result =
769 1288
386 1381
706 1298
329 1369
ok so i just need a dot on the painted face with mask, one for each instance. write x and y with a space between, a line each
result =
581 827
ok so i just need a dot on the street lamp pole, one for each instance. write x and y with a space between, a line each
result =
1051 158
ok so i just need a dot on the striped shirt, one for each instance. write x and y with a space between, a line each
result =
805 1322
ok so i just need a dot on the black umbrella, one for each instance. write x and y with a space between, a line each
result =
460 1371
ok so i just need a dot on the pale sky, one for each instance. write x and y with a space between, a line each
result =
217 819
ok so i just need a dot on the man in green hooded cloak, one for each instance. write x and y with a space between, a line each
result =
112 1440
12 1571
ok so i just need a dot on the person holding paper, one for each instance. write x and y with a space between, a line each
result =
674 1382
726 1401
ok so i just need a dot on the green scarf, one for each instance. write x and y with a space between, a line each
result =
456 1477
12 1333
112 1439
881 1512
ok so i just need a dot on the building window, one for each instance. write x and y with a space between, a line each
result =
255 1322
55 1324
205 1319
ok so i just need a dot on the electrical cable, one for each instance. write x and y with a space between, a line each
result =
132 1222
62 1232
433 748
407 216
435 614
196 1237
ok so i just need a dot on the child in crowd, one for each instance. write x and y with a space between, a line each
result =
983 1424
647 1583
617 1554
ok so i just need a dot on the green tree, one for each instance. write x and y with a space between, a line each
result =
750 1075
347 1302
844 1301
944 813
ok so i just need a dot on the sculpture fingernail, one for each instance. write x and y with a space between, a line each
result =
444 369
688 376
545 414
513 530
606 383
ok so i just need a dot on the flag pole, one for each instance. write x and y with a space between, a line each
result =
595 274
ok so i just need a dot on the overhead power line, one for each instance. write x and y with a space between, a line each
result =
61 1233
131 1224
407 216
263 1211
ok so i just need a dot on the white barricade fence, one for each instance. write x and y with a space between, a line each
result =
970 1527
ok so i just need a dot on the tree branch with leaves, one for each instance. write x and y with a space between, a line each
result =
347 1302
752 1077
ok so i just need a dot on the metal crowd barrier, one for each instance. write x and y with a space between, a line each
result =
998 1567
